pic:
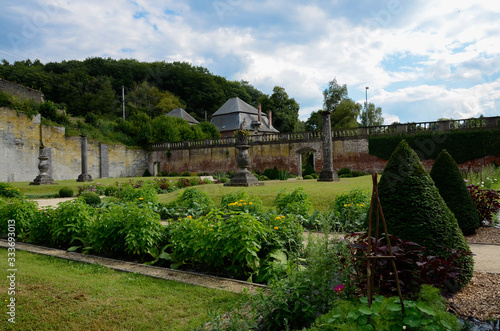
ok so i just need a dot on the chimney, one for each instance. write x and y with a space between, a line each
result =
260 113
270 115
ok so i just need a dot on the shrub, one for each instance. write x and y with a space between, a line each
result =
71 220
241 201
41 227
22 212
308 177
295 203
126 228
9 191
308 170
452 188
218 241
186 174
146 173
487 203
183 182
428 312
91 187
344 172
193 202
111 191
415 211
357 173
91 198
66 192
351 210
138 195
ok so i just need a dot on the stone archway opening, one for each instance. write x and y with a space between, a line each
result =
306 161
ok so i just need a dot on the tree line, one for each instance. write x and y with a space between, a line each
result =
92 89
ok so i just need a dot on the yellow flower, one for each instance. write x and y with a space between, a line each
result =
240 205
141 198
250 203
345 205
189 216
277 218
276 228
282 216
244 203
241 200
361 204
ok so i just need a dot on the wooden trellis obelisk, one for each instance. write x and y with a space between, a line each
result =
371 253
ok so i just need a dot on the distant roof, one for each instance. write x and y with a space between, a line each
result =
181 113
236 114
236 105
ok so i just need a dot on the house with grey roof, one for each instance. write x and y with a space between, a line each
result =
236 114
181 113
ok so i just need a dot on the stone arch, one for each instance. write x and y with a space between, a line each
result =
300 152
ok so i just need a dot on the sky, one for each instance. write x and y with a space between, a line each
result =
421 60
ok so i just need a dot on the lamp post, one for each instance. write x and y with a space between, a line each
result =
366 106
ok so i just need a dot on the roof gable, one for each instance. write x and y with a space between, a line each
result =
181 113
235 105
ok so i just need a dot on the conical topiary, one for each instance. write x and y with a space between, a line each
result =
452 188
415 211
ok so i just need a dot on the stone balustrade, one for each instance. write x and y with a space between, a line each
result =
347 133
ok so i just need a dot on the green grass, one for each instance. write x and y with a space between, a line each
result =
320 193
56 294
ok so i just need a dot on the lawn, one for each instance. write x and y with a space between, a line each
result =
56 294
320 193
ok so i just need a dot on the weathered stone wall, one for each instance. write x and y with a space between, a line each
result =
19 148
21 92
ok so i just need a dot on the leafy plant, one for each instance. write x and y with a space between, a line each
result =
427 313
71 219
22 212
65 192
138 194
351 210
487 202
192 202
41 226
91 198
295 203
241 201
97 188
9 191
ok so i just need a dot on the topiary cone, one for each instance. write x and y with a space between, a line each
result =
415 211
452 188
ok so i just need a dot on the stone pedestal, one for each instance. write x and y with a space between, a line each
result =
243 177
84 176
327 173
44 177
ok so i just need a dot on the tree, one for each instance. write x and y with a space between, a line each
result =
285 110
415 211
374 116
345 114
334 95
452 188
314 123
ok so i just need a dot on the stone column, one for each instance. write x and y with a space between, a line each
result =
327 173
84 176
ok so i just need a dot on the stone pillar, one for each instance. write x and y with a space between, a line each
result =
44 178
104 161
327 173
84 176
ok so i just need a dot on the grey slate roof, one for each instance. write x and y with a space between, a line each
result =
236 114
181 113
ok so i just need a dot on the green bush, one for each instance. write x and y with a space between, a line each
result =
351 210
241 201
143 194
9 191
22 212
415 211
295 203
221 242
344 172
308 177
126 228
66 192
91 198
146 173
448 179
428 312
71 221
192 202
41 227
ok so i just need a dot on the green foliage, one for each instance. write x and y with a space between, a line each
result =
427 313
41 227
192 202
9 191
91 198
241 201
72 219
144 194
22 212
285 109
219 241
415 211
65 192
126 228
92 187
461 145
374 116
452 188
351 210
295 203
